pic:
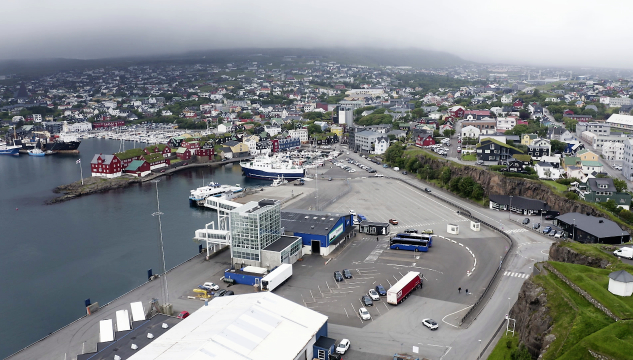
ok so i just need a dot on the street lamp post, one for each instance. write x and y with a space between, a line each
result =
510 208
479 354
573 231
541 217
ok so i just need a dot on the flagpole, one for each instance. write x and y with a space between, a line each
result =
81 171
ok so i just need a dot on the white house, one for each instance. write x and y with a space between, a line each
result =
613 151
272 130
222 129
302 134
546 171
470 132
506 99
504 124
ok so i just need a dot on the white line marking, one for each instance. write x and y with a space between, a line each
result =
455 326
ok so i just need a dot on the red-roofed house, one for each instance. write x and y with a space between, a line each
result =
424 140
456 111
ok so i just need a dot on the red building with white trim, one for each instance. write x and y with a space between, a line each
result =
205 153
423 140
108 166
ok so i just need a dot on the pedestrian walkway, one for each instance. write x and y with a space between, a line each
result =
514 274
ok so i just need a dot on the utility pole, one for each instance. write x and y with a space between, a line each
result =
162 249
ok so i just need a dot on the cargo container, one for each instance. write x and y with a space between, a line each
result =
276 277
404 287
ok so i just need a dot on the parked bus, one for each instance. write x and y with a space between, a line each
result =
420 242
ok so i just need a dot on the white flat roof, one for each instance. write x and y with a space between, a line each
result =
250 326
620 119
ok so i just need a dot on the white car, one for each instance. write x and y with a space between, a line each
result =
373 294
342 347
364 314
379 175
211 285
430 323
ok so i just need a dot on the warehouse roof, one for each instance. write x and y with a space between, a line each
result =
597 226
519 202
249 326
308 221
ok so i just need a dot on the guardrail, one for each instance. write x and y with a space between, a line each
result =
466 213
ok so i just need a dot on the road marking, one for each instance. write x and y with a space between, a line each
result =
387 307
346 312
378 311
444 321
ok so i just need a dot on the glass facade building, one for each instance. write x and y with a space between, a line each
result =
254 226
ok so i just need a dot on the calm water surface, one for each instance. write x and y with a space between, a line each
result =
52 257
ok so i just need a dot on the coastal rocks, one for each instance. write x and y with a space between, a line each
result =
91 185
560 253
533 321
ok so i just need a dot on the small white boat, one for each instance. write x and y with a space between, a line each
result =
36 152
279 181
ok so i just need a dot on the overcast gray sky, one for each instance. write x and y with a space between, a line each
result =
543 32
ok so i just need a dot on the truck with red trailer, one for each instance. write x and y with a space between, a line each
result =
404 287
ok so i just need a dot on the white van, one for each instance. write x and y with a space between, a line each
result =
396 169
625 252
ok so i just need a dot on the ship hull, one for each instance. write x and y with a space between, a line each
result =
12 152
62 146
272 175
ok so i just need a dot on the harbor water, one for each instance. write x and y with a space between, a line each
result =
53 257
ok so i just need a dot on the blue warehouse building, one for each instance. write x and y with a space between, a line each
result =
321 231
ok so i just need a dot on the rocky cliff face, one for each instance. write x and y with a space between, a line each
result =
565 254
494 183
533 322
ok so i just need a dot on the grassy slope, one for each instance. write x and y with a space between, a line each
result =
502 351
592 250
615 341
596 281
558 187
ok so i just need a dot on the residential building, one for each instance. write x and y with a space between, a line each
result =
183 153
272 130
494 150
424 139
371 142
486 126
518 204
598 128
591 167
590 229
156 160
586 155
547 171
338 130
539 148
613 151
615 102
528 139
302 134
596 190
138 168
286 144
470 132
598 141
108 166
627 163
504 124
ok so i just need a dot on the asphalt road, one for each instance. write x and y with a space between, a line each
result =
464 343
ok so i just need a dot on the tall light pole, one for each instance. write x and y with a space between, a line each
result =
479 354
510 208
573 231
162 249
541 216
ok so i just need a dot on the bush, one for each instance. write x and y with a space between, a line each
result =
626 215
478 192
525 176
454 184
565 181
497 167
571 195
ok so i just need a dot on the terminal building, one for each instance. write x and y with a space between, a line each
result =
592 230
257 238
321 231
257 326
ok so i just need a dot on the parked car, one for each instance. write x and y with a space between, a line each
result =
212 286
338 276
379 175
550 217
205 288
183 315
552 233
365 300
547 229
558 235
329 179
364 314
536 226
405 173
385 166
411 231
393 221
427 190
229 293
347 274
526 221
428 231
373 294
430 323
342 347
220 292
381 290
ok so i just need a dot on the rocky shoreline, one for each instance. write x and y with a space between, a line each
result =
92 185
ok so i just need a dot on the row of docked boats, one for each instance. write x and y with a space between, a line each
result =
213 189
14 150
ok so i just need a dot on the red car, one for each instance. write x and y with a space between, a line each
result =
185 164
393 221
183 315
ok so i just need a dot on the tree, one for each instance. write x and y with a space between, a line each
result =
445 177
394 152
626 215
558 146
466 186
478 192
611 206
620 185
453 185
524 114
